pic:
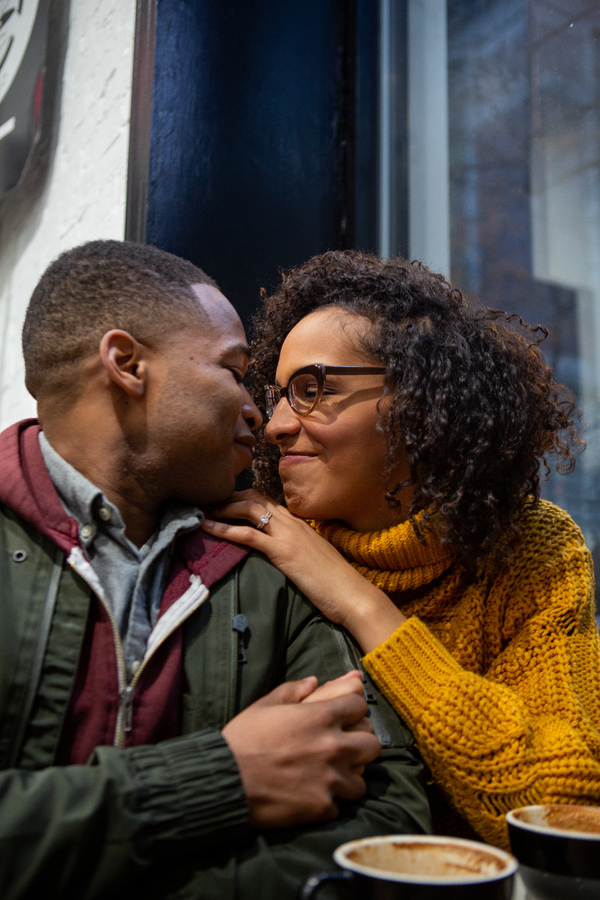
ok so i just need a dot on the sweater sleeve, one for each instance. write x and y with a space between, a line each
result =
526 729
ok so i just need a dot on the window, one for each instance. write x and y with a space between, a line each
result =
502 134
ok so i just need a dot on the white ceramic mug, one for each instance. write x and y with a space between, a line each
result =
418 867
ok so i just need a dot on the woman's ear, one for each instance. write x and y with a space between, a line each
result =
121 356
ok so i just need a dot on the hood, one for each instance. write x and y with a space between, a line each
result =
26 487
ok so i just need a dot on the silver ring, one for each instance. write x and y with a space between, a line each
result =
264 520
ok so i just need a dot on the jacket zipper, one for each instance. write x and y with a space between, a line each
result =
126 708
92 581
126 694
126 691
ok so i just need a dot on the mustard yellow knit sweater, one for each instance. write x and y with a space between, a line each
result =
499 680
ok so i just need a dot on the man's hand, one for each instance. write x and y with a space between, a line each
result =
296 759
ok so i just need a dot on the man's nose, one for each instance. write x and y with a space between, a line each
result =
251 413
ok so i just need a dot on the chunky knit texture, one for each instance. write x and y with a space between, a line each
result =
499 679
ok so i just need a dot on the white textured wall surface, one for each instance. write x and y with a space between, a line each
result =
76 191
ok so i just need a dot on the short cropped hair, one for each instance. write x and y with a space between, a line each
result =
93 288
472 400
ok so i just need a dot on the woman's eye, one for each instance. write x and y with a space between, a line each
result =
307 388
237 375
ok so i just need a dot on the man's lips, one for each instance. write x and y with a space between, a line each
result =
247 441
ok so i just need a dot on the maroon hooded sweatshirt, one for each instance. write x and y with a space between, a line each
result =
26 488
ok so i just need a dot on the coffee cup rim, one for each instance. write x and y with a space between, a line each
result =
510 863
512 819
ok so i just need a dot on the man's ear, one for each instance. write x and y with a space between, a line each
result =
121 356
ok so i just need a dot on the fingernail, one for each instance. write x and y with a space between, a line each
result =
208 523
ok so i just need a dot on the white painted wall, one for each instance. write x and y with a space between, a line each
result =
81 193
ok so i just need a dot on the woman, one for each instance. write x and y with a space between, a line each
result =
471 598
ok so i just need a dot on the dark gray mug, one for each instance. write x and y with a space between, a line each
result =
558 847
418 867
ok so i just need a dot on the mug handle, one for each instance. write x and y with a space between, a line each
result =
314 882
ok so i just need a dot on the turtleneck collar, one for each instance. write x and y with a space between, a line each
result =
393 559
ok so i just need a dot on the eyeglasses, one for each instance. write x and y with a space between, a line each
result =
305 388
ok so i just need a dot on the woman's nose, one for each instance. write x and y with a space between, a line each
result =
283 421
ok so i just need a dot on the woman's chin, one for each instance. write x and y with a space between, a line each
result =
297 509
300 507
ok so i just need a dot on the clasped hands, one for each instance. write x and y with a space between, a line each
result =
301 748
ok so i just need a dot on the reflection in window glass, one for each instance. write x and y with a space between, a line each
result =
524 185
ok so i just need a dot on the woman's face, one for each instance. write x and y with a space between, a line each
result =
333 460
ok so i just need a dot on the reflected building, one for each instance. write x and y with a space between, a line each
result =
523 175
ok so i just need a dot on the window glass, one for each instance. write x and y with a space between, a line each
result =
503 132
524 174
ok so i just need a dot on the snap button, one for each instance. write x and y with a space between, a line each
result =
86 532
19 556
104 513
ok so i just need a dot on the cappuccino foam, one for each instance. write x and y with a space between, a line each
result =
442 860
583 819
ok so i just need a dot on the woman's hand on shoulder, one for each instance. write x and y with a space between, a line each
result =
290 543
308 560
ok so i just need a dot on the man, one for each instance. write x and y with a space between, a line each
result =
160 728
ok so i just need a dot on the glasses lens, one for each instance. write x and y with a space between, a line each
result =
272 398
304 392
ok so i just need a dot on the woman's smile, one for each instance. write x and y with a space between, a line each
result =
291 457
333 460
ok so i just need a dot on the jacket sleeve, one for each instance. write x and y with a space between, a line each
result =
275 865
96 829
527 729
171 820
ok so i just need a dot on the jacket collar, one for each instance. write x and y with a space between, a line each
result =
27 489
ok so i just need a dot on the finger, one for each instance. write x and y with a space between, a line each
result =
346 710
364 725
331 812
256 514
367 746
350 682
243 505
350 787
289 692
252 494
237 496
354 754
239 534
233 509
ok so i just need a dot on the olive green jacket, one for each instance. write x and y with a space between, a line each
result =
168 820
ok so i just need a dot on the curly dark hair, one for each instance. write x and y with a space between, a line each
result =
472 400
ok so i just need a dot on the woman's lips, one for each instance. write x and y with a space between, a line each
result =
292 459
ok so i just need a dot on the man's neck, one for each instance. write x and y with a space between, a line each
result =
140 518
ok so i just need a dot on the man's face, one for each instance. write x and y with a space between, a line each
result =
200 416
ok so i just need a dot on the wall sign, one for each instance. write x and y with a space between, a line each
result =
23 32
